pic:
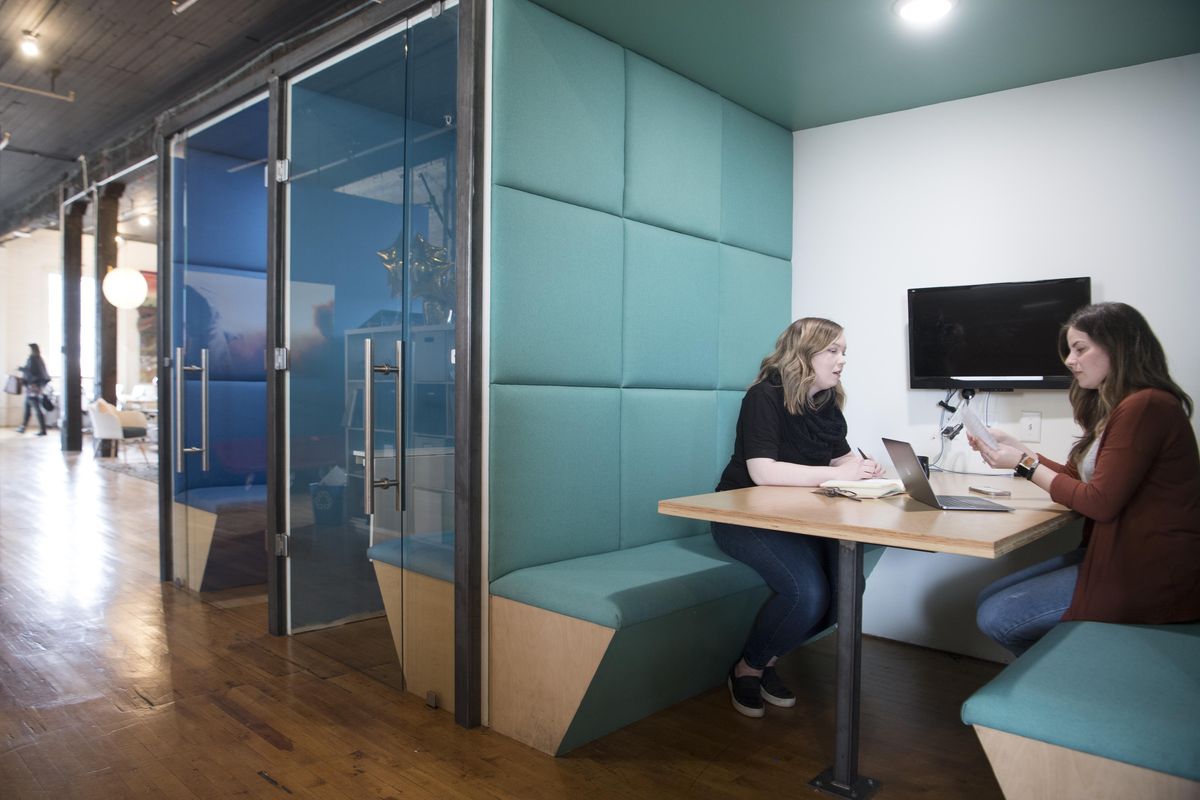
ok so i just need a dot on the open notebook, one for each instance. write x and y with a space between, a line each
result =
870 487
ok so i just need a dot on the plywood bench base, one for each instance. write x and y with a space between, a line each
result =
557 682
541 665
1028 769
420 613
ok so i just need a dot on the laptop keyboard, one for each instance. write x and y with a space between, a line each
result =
965 502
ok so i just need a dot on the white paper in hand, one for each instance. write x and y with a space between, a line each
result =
976 427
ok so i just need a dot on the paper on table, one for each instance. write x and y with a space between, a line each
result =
976 427
870 487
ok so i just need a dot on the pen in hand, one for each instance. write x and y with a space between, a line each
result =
878 470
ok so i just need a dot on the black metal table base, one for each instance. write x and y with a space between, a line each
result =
842 779
861 788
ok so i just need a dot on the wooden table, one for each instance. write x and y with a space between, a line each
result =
897 521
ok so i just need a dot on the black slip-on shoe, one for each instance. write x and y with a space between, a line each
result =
774 690
745 693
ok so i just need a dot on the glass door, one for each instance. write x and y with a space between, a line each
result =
217 349
368 320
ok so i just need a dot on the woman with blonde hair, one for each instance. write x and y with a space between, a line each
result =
1134 475
790 432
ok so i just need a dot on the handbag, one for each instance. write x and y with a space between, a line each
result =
47 402
13 385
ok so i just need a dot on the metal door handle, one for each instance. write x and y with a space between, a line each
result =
181 368
370 484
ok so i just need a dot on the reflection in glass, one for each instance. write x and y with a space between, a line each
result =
370 254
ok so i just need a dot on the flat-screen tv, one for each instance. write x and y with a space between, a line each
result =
996 336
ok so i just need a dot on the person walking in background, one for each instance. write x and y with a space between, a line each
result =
36 377
1134 475
790 432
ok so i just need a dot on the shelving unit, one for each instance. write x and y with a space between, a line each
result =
428 419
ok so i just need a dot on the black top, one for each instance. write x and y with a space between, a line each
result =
765 429
34 372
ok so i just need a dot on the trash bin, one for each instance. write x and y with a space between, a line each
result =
327 503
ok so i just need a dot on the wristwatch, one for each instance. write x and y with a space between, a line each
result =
1026 467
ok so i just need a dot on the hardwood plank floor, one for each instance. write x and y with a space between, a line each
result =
115 685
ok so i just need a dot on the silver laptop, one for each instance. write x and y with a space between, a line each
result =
918 487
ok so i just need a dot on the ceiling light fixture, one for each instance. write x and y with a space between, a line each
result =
180 6
144 220
923 12
124 287
22 234
29 44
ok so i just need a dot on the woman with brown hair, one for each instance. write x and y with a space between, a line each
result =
1134 475
790 432
36 378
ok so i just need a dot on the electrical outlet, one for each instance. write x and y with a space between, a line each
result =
1031 426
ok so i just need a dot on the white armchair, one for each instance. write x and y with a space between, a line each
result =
118 426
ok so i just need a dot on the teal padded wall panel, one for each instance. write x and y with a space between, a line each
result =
556 292
558 108
729 405
554 474
756 305
668 449
672 150
670 319
756 183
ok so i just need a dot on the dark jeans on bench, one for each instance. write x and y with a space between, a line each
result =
801 571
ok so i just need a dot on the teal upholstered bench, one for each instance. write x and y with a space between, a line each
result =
416 580
585 646
1096 711
641 235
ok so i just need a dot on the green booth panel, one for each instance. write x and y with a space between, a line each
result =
729 407
554 471
556 292
558 108
672 150
670 317
756 305
623 588
668 449
756 183
1130 693
663 661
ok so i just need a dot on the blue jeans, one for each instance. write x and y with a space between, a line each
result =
801 571
1021 608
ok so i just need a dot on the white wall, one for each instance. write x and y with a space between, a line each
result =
1097 175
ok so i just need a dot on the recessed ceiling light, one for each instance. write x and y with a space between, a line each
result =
29 44
923 11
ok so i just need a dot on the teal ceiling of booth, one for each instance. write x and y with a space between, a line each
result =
805 63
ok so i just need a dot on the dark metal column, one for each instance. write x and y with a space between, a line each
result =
107 208
277 462
470 183
166 463
71 425
842 779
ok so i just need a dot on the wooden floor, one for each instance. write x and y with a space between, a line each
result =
114 685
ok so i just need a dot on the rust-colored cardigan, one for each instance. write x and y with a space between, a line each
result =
1143 516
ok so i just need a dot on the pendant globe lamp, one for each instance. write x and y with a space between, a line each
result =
124 287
